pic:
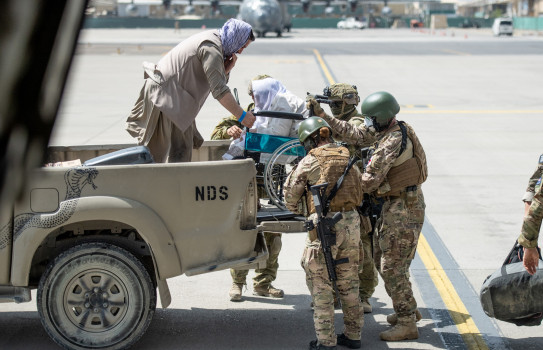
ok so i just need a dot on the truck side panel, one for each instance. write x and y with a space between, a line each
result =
121 210
203 206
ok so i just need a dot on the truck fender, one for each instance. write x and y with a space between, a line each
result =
136 214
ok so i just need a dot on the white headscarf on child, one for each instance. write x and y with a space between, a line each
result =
264 91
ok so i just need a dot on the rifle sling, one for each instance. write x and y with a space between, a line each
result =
341 261
333 193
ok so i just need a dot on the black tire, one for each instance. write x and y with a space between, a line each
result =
96 296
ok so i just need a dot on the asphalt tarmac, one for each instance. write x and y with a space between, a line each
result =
475 103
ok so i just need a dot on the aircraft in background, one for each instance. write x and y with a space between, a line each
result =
265 16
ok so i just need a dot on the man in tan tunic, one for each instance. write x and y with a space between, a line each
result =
176 88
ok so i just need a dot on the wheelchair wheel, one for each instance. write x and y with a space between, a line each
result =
280 164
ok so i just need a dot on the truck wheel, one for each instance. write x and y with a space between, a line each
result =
96 295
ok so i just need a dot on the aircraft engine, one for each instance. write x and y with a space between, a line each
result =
263 15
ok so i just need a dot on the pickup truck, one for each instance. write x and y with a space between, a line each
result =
98 240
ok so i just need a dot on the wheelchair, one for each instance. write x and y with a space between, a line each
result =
274 156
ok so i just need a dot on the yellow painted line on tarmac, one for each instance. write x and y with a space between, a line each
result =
460 315
514 111
324 68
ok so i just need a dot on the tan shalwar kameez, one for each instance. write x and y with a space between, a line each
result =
173 93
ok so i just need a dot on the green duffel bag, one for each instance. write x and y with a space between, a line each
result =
511 294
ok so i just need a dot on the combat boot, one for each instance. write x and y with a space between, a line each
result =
314 345
351 344
393 319
367 306
235 291
405 328
268 291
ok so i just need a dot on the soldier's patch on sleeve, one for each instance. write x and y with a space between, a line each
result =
541 159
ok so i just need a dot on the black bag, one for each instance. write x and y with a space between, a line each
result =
511 294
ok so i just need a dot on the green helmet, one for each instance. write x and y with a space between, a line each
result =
310 126
380 107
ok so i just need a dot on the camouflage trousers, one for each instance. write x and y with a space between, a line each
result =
395 246
367 276
320 287
265 276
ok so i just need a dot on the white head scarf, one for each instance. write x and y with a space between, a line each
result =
264 91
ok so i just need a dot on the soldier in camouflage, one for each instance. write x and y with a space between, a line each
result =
326 162
530 191
393 177
231 128
344 99
530 230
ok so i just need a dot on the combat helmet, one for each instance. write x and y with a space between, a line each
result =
309 127
342 92
379 109
344 99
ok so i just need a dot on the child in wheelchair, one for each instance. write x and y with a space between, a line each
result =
269 94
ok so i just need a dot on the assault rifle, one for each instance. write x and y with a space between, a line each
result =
371 208
320 99
325 233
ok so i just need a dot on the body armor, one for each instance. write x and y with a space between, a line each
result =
332 163
410 168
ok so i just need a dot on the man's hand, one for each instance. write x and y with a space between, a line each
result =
530 260
249 119
317 109
234 131
230 63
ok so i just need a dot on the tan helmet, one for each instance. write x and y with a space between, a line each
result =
343 92
344 99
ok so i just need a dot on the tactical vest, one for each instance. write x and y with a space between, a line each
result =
332 163
410 168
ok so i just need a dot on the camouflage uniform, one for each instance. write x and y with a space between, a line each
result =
263 277
402 214
532 222
529 195
368 279
220 131
309 171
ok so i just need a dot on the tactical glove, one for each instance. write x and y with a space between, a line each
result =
317 109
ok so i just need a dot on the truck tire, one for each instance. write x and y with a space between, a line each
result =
96 295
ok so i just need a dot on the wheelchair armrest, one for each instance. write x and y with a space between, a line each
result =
280 115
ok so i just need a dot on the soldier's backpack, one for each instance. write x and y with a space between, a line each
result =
511 294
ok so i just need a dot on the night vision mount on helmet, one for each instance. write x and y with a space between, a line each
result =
379 109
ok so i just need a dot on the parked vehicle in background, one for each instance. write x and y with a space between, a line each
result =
351 23
468 23
502 26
